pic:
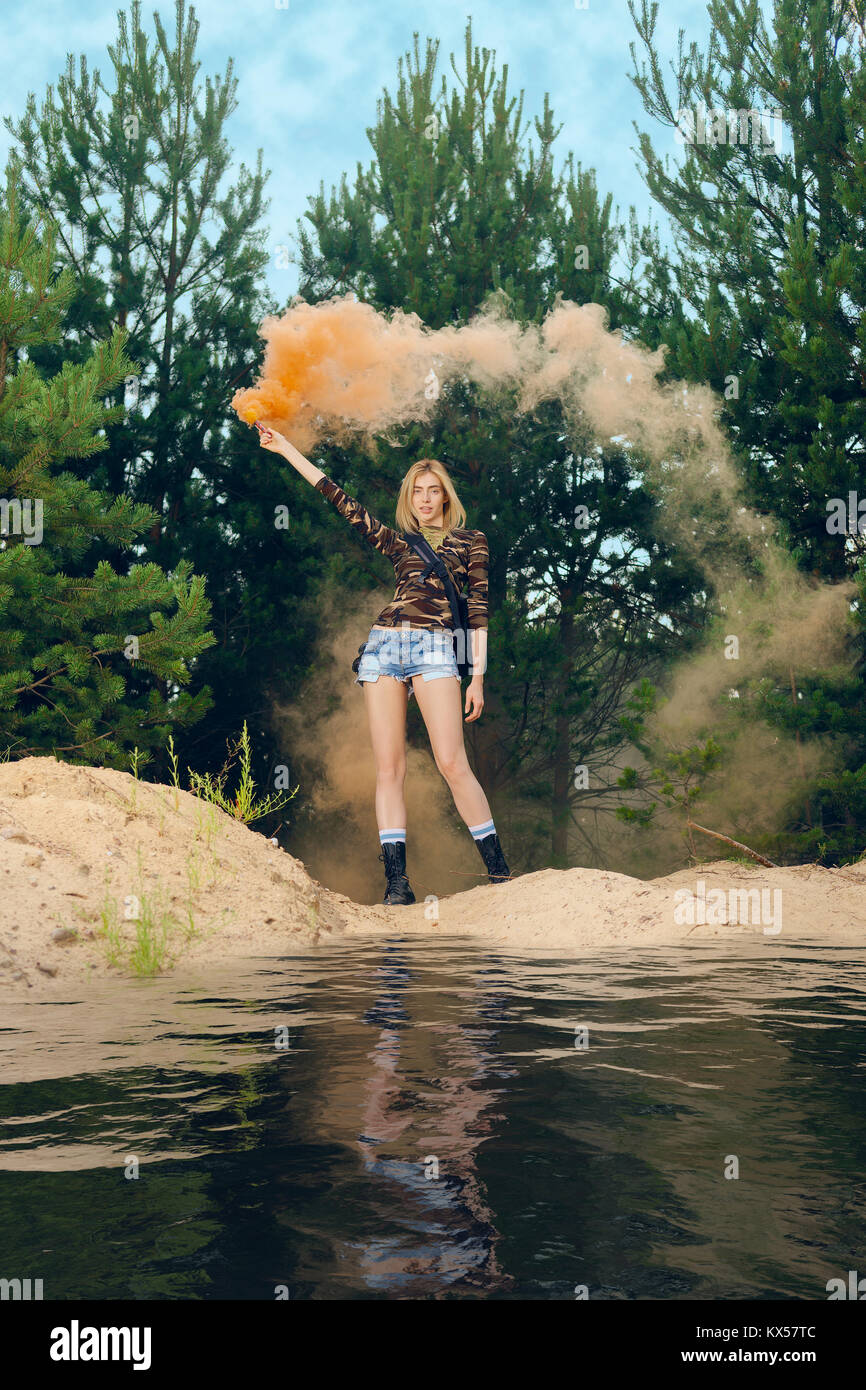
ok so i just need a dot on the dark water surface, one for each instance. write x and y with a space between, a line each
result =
314 1166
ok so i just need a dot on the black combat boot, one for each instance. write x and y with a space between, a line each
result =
494 860
397 892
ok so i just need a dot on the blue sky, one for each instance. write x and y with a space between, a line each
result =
310 75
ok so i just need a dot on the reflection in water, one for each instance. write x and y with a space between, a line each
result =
451 1231
432 1131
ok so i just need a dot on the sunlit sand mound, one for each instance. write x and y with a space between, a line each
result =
100 873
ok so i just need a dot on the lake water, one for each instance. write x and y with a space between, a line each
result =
404 1119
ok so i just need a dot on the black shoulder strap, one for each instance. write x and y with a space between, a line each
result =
423 548
435 565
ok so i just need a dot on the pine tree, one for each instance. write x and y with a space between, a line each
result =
166 240
769 265
81 656
769 268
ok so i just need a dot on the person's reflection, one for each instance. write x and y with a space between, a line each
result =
426 1104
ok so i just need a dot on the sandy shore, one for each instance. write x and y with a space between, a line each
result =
92 862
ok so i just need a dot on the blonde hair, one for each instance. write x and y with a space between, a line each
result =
453 514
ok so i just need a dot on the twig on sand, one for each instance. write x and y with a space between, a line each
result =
736 844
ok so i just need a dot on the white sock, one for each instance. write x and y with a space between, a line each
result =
391 837
480 832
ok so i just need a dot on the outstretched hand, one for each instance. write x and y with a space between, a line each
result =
474 699
272 440
277 443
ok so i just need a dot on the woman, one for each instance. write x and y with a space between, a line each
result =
410 650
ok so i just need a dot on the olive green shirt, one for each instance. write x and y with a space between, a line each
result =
434 535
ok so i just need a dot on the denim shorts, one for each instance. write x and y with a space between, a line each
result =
407 652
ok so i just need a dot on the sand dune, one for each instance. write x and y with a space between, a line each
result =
93 863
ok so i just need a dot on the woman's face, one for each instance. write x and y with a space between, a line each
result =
428 499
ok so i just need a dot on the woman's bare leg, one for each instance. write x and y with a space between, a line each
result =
439 703
386 701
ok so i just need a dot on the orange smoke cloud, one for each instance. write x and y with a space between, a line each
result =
342 369
338 367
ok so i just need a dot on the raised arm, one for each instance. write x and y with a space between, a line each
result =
277 443
381 537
